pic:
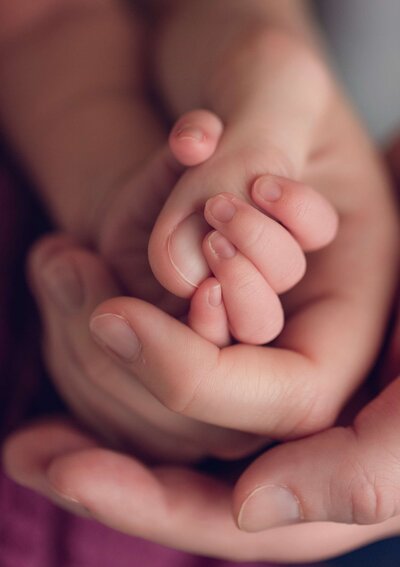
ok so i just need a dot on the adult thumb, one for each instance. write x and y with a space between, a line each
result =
349 475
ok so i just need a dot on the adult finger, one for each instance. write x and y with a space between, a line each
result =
345 475
56 460
28 452
69 282
258 389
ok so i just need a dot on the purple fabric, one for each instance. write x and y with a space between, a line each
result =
33 532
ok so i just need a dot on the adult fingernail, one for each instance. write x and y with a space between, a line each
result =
268 507
63 283
190 132
115 333
185 249
221 209
221 246
68 501
71 503
268 188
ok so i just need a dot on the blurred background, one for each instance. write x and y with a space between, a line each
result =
364 40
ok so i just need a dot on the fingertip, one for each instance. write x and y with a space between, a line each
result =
207 315
268 506
253 310
95 482
306 213
261 334
195 136
175 254
267 189
29 452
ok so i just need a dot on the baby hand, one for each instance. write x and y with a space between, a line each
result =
256 251
256 254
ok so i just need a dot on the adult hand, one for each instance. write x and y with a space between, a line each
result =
184 508
346 474
76 472
74 122
75 108
335 317
301 383
69 283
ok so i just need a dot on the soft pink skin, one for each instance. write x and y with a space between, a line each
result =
207 318
269 258
76 472
195 136
95 385
305 387
311 135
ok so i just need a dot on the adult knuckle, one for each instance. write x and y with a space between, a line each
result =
183 390
179 396
364 483
370 500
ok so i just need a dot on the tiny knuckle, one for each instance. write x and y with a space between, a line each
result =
256 333
301 209
293 272
244 284
255 237
277 162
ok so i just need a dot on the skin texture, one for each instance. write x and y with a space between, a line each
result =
77 472
306 385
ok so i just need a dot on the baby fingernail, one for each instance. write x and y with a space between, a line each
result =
63 283
267 188
268 507
190 132
220 246
215 296
221 209
114 332
185 249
